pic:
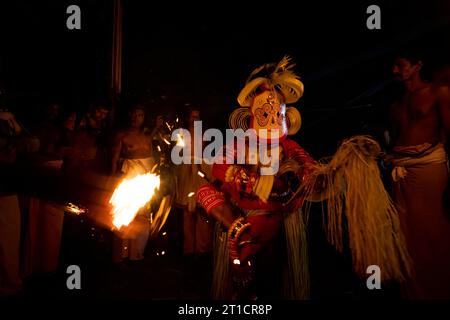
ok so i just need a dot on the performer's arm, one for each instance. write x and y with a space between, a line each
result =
215 205
297 153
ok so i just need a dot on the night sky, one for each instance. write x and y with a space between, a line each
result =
201 55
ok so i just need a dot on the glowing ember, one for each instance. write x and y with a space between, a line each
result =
72 208
159 148
191 194
166 141
131 195
201 174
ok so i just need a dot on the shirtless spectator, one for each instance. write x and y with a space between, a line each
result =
132 149
419 121
87 146
95 118
132 155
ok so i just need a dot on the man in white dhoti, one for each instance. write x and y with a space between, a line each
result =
132 155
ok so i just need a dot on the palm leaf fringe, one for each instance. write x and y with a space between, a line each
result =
352 185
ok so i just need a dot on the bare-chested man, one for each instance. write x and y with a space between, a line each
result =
132 155
420 122
132 150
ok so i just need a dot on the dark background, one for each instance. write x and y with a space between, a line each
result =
186 54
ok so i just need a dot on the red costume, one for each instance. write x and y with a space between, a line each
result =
258 204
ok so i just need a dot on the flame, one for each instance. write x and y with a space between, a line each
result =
131 195
73 208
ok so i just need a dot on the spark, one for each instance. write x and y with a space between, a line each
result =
201 174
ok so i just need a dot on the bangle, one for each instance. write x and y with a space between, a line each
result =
243 243
235 231
233 228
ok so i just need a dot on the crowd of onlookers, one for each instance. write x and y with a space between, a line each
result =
74 144
73 140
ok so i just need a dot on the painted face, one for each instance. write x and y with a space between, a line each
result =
269 113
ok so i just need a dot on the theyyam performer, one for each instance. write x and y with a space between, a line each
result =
261 244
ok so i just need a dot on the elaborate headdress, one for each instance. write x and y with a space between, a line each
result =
263 100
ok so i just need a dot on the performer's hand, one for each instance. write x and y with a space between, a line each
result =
245 181
243 280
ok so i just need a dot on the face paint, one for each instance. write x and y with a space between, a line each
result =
269 115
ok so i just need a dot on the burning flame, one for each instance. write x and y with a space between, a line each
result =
131 195
73 208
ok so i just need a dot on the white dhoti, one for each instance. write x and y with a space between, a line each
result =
420 178
138 231
133 167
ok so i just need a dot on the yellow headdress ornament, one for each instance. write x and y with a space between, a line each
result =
267 90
